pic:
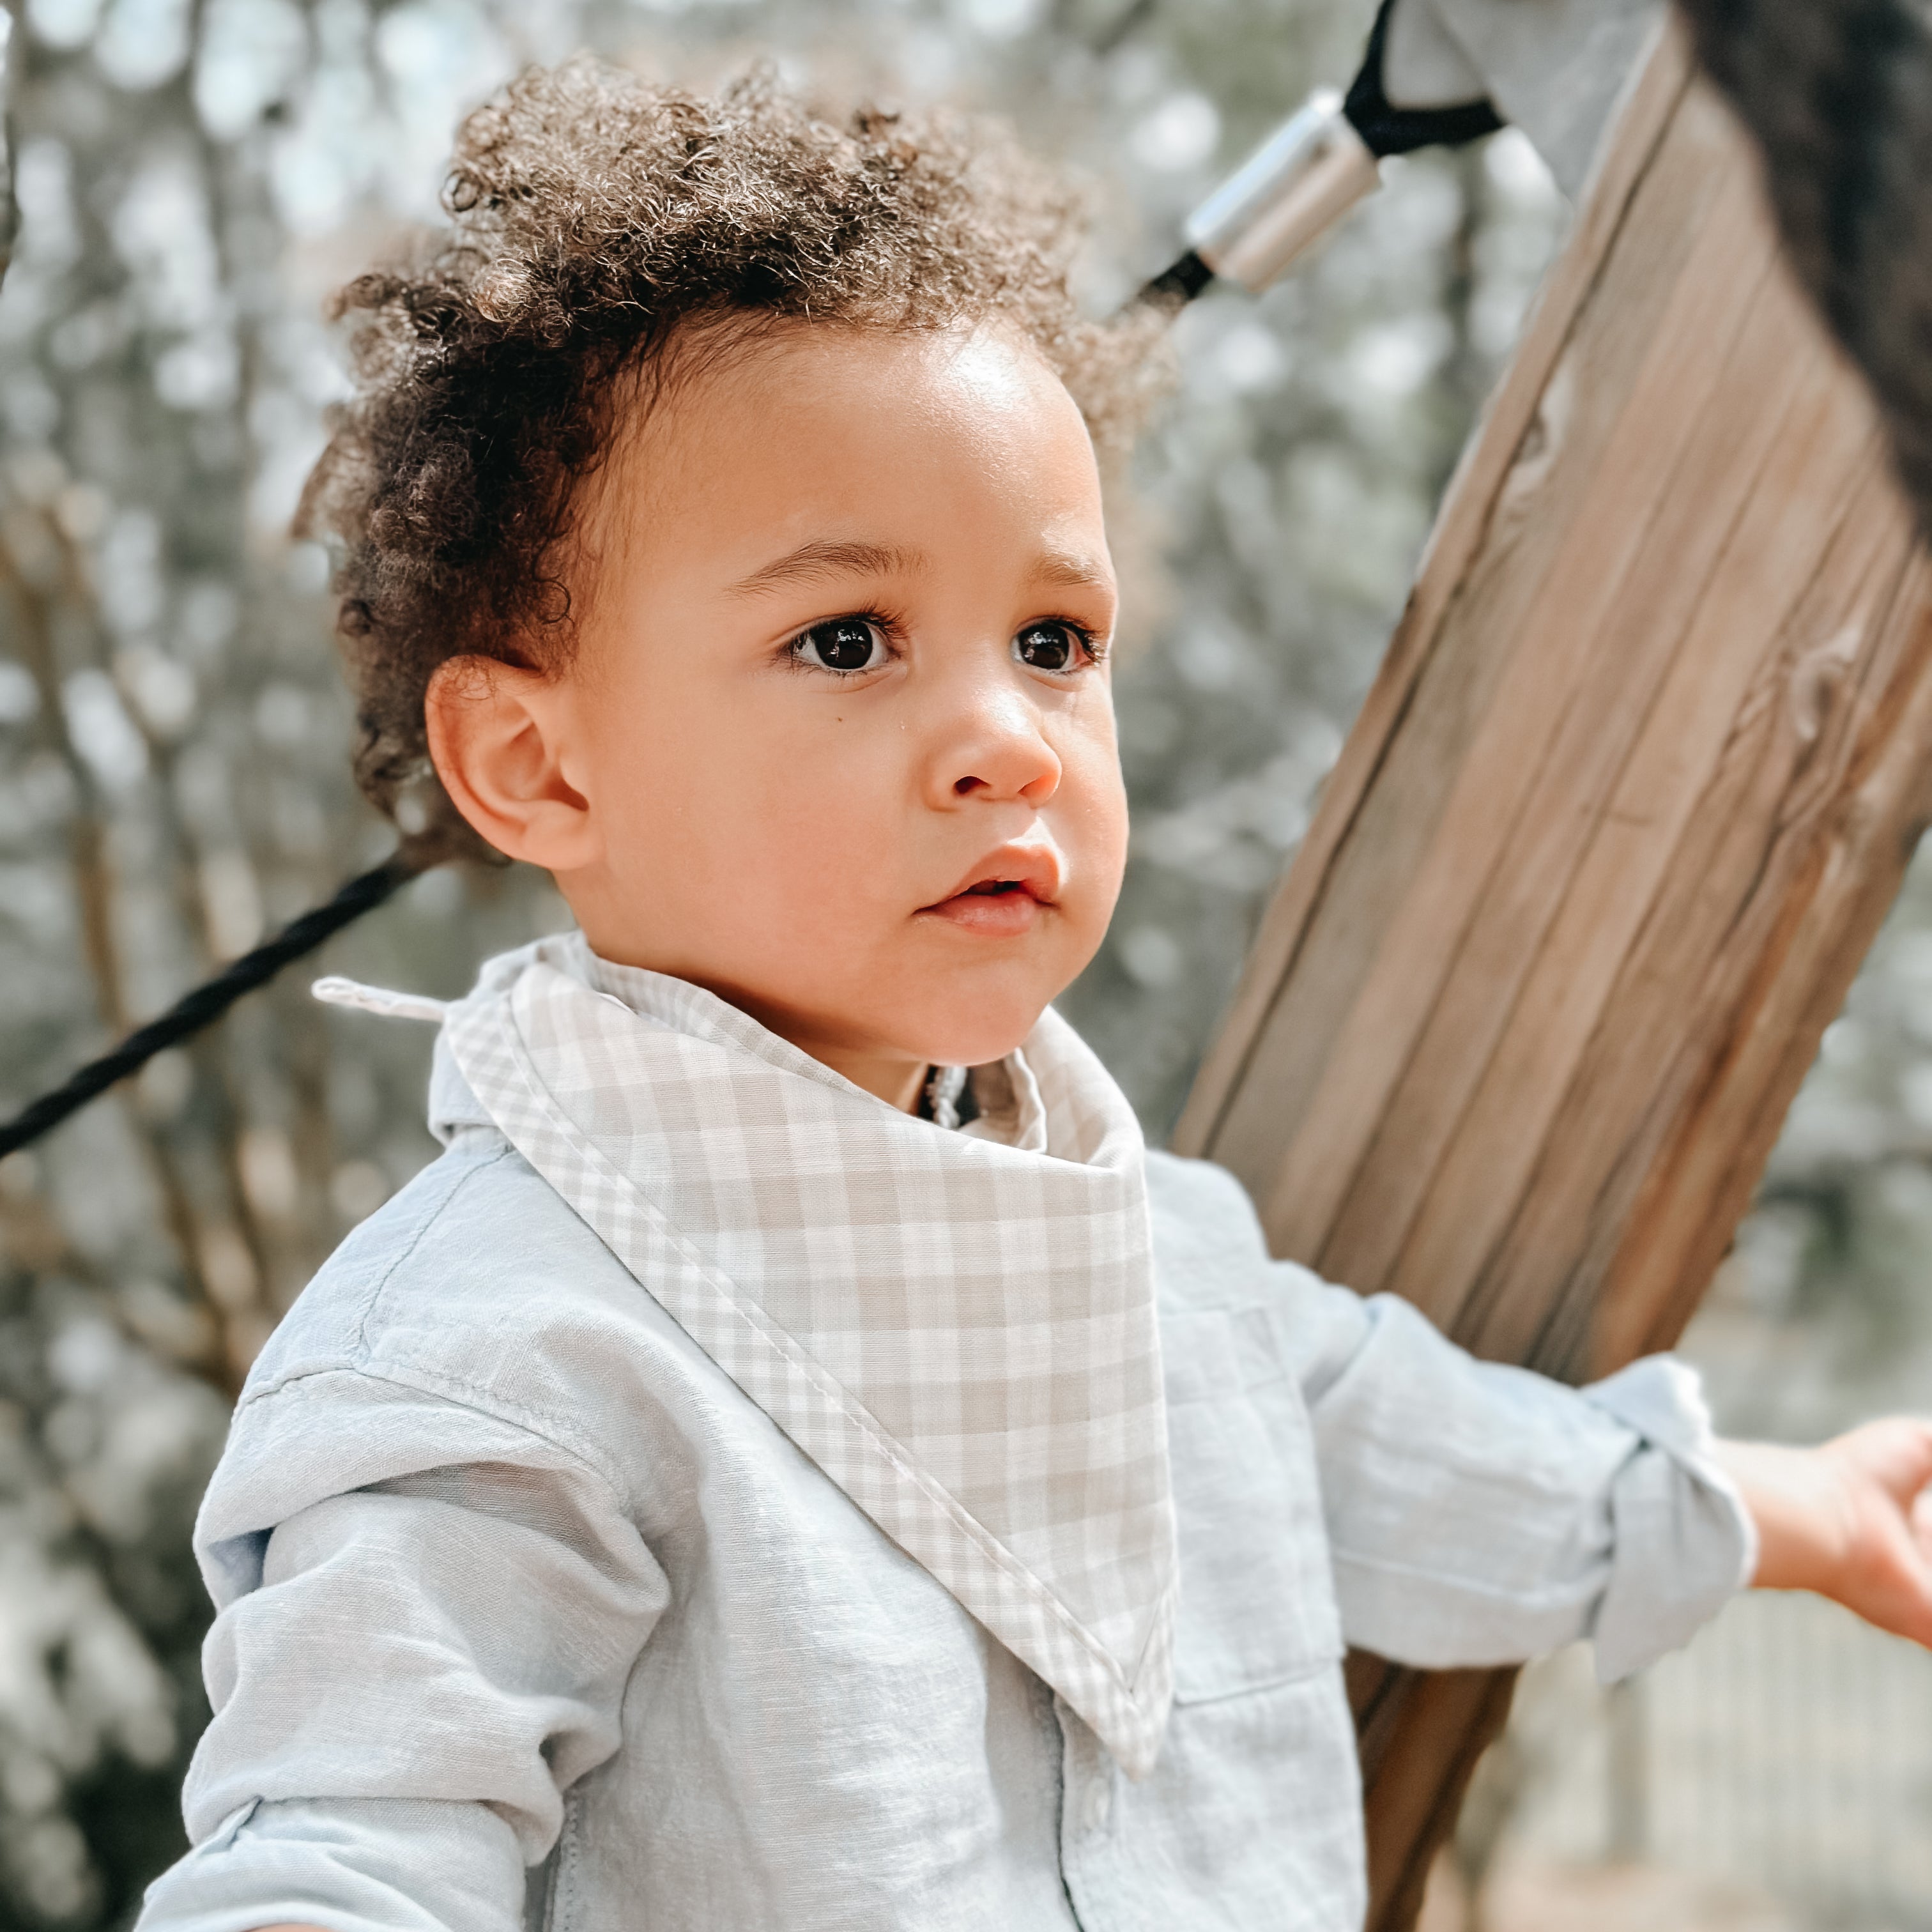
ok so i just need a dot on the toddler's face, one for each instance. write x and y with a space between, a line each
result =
838 741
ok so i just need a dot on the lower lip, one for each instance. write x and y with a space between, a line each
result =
997 915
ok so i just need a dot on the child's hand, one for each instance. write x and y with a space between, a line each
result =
1851 1520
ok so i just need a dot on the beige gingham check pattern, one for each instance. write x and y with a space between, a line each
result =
957 1327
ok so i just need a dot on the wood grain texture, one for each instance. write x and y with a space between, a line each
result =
1626 806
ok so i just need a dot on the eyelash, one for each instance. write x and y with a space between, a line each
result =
892 631
1095 647
888 627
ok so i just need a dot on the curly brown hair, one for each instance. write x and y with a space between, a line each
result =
597 222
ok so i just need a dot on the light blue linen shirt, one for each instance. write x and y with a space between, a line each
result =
528 1617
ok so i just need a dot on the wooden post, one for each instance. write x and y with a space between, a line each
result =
1625 808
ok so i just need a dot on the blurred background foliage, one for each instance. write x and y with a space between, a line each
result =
194 176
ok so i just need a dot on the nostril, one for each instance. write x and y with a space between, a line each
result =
962 786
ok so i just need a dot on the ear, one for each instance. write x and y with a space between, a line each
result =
498 737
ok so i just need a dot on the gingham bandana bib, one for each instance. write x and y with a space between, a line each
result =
958 1328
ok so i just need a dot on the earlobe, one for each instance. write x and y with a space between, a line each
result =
498 738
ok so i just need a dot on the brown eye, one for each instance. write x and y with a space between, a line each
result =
842 644
1049 646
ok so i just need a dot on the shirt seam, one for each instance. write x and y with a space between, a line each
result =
363 1348
358 1349
1532 1600
1274 1373
1548 1481
554 1431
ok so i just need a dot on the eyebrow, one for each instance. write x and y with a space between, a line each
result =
811 561
1071 571
814 562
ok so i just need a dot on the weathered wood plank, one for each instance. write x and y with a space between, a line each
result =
1574 800
1631 795
1607 890
1586 472
1583 487
1469 504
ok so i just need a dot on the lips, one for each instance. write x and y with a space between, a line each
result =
1004 894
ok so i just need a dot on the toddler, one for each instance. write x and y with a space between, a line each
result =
796 1461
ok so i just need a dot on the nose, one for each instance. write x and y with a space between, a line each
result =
997 751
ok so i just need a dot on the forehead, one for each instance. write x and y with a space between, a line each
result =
818 422
988 370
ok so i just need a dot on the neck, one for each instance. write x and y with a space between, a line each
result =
893 1077
899 1083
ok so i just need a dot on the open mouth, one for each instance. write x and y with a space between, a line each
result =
1014 890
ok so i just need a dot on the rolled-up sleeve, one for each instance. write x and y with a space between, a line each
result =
427 1614
347 1865
1481 1514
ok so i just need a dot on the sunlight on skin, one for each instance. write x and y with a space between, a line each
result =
717 802
1851 1520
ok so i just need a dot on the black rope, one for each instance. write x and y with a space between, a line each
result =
1389 130
1179 283
208 1001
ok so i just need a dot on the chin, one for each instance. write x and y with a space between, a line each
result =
972 1038
967 1018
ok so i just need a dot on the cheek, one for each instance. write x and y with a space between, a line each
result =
745 806
674 780
1096 803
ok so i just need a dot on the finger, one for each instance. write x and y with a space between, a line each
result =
1912 1438
1920 1519
1895 1452
1915 1620
1891 1588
